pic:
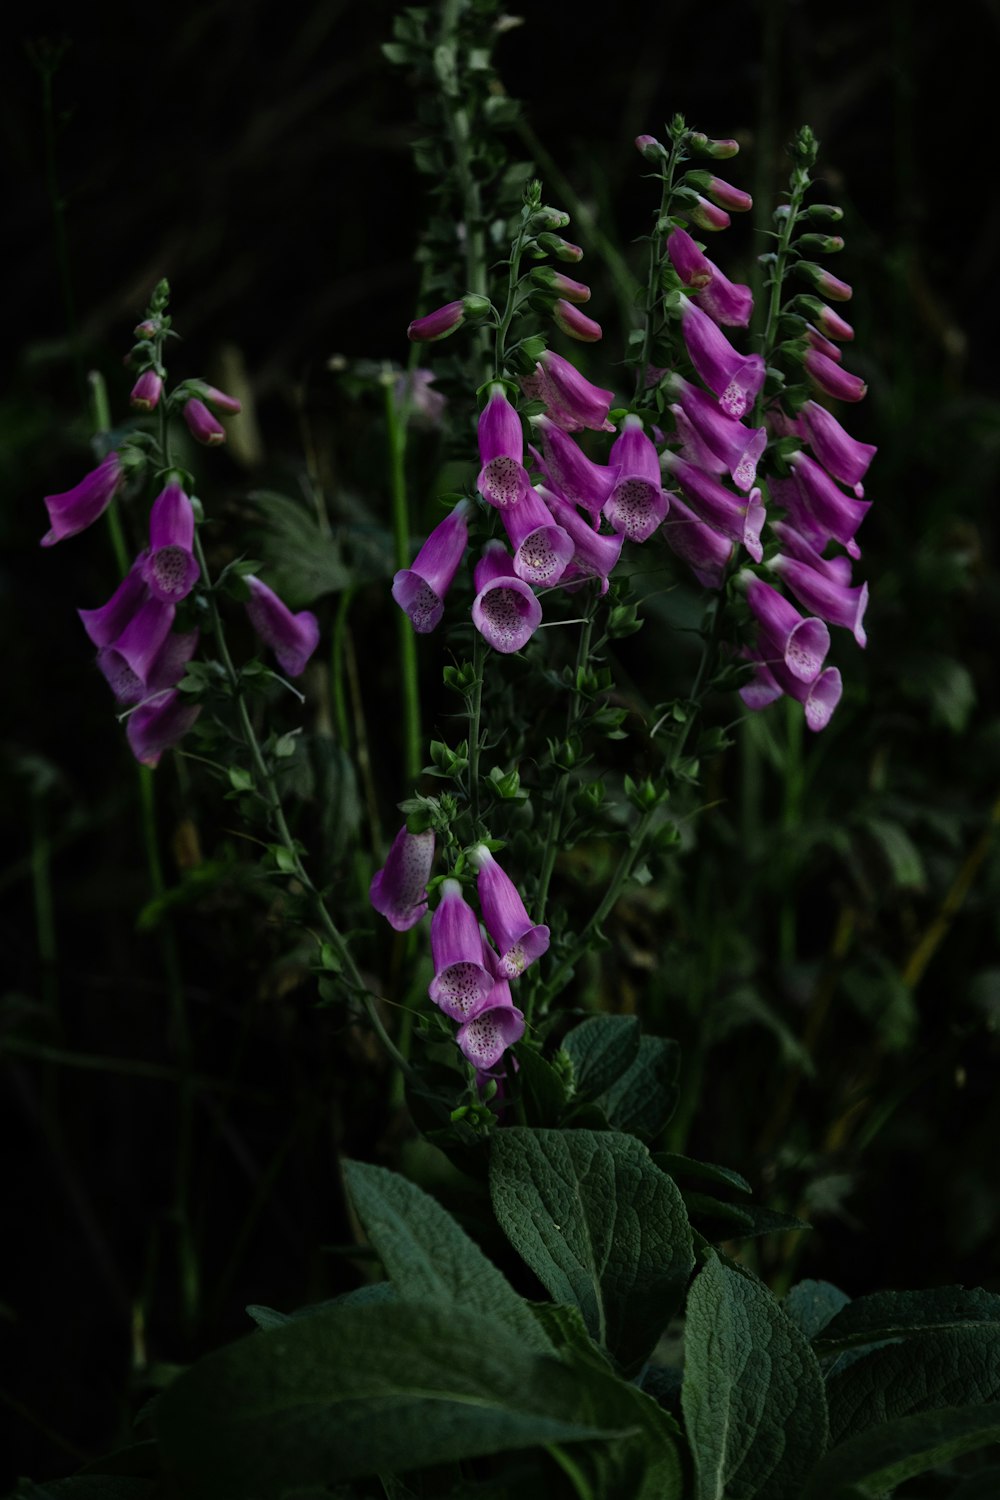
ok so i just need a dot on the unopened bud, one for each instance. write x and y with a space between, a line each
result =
555 281
825 213
650 148
820 279
146 392
217 399
554 244
703 145
826 320
575 323
147 329
203 427
548 218
820 244
721 192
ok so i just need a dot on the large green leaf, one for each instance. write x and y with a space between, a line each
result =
811 1305
887 1315
753 1400
642 1099
384 1387
946 1367
601 1227
601 1049
429 1258
874 1463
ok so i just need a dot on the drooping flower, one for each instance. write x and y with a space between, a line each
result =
503 479
575 323
840 454
772 678
691 265
834 514
201 424
833 378
519 941
735 378
169 569
72 511
158 724
437 324
484 1038
570 471
541 547
727 302
637 504
420 590
505 611
165 669
292 637
140 642
595 555
572 401
739 447
801 643
705 550
740 520
461 983
399 890
105 624
826 595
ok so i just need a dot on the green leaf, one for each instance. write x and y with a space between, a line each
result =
305 561
950 1367
542 1086
644 1097
888 1315
429 1258
386 1387
601 1049
601 1227
753 1400
899 852
874 1463
681 1168
90 1487
269 1317
812 1304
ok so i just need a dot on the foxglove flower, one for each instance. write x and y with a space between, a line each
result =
833 378
739 447
484 1038
504 611
399 890
802 644
822 345
518 940
503 480
218 400
292 637
727 302
594 555
721 192
706 551
203 427
570 471
105 625
157 725
461 984
706 215
735 378
822 280
691 265
827 596
575 323
840 454
421 590
571 400
146 392
771 679
437 324
424 407
169 569
637 504
541 547
693 445
140 642
74 510
835 514
164 671
552 280
740 520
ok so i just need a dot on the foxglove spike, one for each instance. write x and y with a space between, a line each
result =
74 510
461 985
735 378
292 637
519 941
801 643
399 890
637 504
158 725
420 590
170 571
504 611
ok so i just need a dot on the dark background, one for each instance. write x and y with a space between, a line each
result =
259 156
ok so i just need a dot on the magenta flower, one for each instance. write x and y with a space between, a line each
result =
721 192
437 324
203 427
739 447
819 698
707 215
832 324
802 644
735 378
572 401
461 984
637 504
169 570
503 479
740 520
840 454
691 265
706 551
594 555
292 637
575 323
399 890
822 345
570 471
140 642
164 671
541 547
518 940
557 281
821 280
693 445
827 596
157 725
832 378
424 406
421 590
834 514
105 625
484 1038
219 400
725 301
504 611
146 392
74 510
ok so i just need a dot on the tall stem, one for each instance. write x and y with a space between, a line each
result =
395 424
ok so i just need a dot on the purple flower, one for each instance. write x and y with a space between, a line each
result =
292 637
105 625
519 941
140 642
801 643
706 551
504 611
728 302
146 392
557 281
165 669
834 514
219 400
503 479
541 547
570 471
721 192
158 725
424 406
691 265
461 983
739 447
203 427
74 510
707 215
437 324
421 590
840 454
821 280
575 323
498 1025
637 504
169 569
830 598
819 698
832 378
399 890
594 555
572 402
735 378
740 520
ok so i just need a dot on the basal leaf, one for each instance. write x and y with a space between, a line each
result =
874 1463
812 1304
886 1315
644 1097
601 1049
946 1367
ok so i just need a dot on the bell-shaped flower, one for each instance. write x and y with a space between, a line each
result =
802 644
420 590
412 393
637 504
105 625
735 378
74 510
503 479
833 378
170 570
740 520
519 941
739 447
504 611
146 392
461 983
201 424
571 400
292 637
570 471
727 302
164 671
594 555
830 598
772 678
835 514
706 551
796 543
840 454
140 642
399 890
484 1038
693 445
541 547
691 264
158 724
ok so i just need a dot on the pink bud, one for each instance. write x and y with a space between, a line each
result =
720 192
146 392
202 426
437 324
573 322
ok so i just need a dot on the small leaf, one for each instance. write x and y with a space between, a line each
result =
601 1049
812 1304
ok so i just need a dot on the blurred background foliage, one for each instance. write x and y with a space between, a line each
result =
826 947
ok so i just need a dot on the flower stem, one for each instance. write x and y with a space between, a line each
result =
395 423
558 811
475 726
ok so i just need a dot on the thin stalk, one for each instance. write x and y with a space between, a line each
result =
395 423
657 251
790 814
475 725
338 670
555 822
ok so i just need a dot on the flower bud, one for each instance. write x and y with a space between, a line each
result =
202 426
218 399
827 321
555 281
821 244
825 213
146 392
437 324
548 218
555 245
703 145
147 329
650 148
573 322
700 211
721 193
820 279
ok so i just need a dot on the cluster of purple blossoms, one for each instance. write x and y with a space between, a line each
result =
474 965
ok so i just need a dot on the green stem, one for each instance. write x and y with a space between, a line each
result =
395 422
790 815
338 670
657 252
562 796
475 723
